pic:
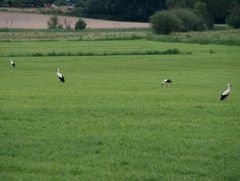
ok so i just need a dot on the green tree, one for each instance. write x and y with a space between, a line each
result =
218 9
179 3
25 3
60 2
234 17
200 9
138 10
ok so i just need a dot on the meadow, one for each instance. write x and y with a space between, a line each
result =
112 119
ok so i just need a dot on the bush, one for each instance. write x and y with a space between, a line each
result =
53 23
191 22
234 18
176 20
80 24
165 22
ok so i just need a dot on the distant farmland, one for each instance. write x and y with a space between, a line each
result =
39 21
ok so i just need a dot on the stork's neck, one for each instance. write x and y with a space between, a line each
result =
229 87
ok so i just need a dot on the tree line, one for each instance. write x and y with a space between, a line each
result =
133 10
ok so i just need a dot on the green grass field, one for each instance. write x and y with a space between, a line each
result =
112 119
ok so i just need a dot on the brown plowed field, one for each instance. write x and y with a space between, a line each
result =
39 21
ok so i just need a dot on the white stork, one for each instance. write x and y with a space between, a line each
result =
166 82
60 75
12 63
226 93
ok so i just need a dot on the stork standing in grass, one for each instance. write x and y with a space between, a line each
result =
60 75
166 82
12 63
226 93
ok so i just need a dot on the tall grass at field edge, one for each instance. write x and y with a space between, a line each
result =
220 37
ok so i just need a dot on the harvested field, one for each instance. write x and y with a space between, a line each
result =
39 21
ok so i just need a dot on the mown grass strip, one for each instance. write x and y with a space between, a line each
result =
53 54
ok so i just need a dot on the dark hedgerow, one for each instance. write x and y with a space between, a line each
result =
54 54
